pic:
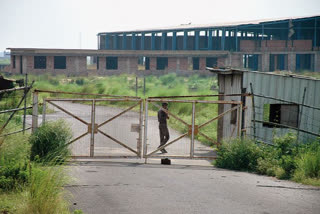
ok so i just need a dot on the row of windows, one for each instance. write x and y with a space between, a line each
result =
40 62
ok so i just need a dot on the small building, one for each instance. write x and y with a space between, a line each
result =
274 103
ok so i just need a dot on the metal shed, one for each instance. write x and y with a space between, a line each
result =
279 103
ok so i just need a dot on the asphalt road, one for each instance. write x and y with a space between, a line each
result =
187 186
123 186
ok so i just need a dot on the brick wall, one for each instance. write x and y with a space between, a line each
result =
275 45
236 61
172 64
202 63
221 62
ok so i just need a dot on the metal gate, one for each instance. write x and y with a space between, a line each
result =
183 144
102 128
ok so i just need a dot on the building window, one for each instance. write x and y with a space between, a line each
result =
211 62
233 119
278 62
40 62
286 114
60 62
304 62
251 61
195 63
143 63
112 63
162 63
13 61
92 63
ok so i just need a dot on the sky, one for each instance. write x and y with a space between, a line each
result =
75 23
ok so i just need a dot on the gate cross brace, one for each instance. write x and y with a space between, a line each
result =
174 116
167 144
67 112
117 141
118 115
199 127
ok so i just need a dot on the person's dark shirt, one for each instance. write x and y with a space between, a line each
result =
162 117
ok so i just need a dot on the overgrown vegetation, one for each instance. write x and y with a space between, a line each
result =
48 142
285 159
33 187
165 85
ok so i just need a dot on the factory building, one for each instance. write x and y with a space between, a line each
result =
265 45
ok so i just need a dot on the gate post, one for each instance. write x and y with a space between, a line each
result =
145 131
140 130
34 112
93 112
192 131
44 107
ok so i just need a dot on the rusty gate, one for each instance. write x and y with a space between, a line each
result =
99 131
116 127
183 143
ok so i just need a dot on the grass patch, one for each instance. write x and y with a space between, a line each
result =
49 142
27 186
285 159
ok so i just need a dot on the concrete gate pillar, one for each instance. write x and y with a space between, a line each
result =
317 61
292 62
265 64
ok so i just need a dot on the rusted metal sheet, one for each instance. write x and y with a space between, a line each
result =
135 128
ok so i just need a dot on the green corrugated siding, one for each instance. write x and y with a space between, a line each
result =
287 88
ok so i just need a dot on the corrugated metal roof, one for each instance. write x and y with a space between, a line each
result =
283 74
212 25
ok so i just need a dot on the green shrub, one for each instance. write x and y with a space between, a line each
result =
286 145
308 163
13 176
238 154
80 81
49 141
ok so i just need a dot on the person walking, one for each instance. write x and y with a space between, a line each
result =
163 128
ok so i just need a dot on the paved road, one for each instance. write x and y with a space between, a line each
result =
186 186
122 186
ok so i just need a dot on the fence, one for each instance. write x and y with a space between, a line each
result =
14 109
193 125
103 126
272 116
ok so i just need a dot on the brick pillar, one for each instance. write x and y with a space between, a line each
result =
183 66
265 62
102 65
202 63
153 63
172 64
236 60
292 62
223 62
27 64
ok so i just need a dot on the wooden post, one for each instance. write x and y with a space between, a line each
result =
44 107
25 103
300 113
136 86
254 112
35 112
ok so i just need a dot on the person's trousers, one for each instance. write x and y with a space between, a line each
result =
164 134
